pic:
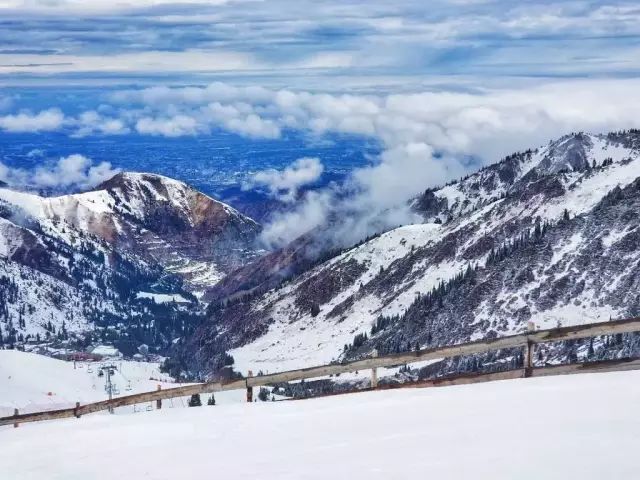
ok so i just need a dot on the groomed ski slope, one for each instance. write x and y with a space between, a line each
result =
582 426
32 383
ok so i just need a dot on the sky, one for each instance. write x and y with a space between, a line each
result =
303 43
443 86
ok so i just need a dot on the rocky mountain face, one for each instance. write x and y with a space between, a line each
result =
163 221
273 268
124 261
548 235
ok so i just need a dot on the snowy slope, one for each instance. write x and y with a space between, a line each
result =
54 289
32 382
583 426
297 338
567 188
107 257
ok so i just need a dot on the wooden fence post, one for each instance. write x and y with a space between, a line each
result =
159 401
374 371
249 389
15 412
528 352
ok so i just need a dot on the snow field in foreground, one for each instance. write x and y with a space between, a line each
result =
583 426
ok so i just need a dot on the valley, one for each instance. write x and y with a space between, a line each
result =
527 239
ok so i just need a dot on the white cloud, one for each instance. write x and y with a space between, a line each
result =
67 7
35 153
176 126
426 136
327 60
240 118
96 6
91 122
71 171
214 92
46 120
375 200
404 171
488 124
285 184
310 214
253 126
289 42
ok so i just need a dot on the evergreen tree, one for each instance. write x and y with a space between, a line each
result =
263 394
194 401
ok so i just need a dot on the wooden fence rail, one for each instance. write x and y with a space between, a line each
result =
525 340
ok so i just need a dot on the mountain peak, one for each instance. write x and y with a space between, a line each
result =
155 217
534 237
568 153
122 179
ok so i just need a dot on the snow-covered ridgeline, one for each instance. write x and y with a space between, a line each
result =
572 174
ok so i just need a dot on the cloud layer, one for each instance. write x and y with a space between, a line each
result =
433 84
44 121
285 184
487 123
427 138
74 171
287 43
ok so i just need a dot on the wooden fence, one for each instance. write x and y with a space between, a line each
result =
526 340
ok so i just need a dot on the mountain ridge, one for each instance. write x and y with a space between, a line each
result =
122 252
108 260
316 317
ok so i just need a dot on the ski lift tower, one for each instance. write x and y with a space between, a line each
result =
109 386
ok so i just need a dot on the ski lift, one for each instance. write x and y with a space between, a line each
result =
89 369
128 387
100 373
115 390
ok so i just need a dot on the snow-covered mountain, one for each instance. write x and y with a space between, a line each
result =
547 235
127 256
158 218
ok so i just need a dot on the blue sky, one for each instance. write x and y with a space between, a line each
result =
314 45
